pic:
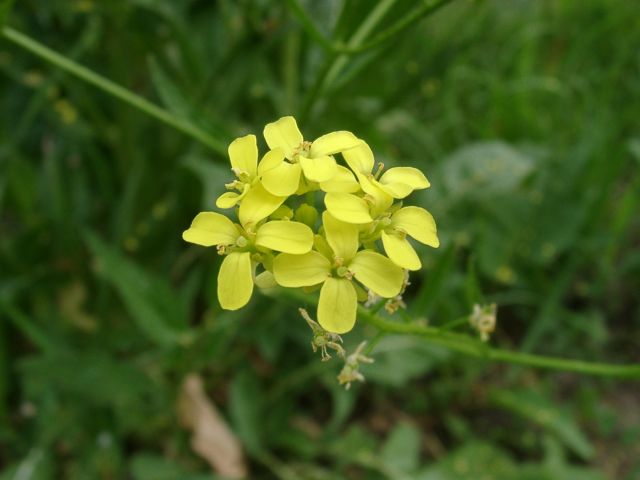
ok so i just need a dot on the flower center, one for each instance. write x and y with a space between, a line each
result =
242 242
243 176
344 272
303 149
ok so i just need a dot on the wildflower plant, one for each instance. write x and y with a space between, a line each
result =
314 215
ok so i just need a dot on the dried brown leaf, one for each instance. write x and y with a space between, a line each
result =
212 439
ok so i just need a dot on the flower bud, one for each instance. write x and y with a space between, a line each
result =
307 214
282 213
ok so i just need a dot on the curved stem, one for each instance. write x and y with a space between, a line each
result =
113 89
475 348
467 346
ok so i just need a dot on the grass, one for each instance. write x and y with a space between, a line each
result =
523 118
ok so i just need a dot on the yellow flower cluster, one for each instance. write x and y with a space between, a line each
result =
282 238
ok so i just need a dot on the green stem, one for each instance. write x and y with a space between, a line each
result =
336 63
407 21
302 16
373 343
466 346
375 17
474 348
455 323
113 89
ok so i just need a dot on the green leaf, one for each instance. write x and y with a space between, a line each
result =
147 466
543 412
245 405
36 465
474 461
434 283
102 380
169 92
355 441
401 450
401 359
151 302
209 173
483 169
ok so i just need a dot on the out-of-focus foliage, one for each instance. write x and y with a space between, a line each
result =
523 114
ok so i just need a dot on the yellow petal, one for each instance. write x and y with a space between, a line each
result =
282 180
301 270
401 181
360 159
341 236
397 190
343 181
347 207
318 169
283 133
377 273
229 199
332 143
417 223
210 228
380 200
283 236
243 153
400 251
257 205
235 282
270 160
337 305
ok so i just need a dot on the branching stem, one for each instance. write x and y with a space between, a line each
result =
475 348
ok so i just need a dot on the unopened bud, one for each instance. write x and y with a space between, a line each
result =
282 213
322 340
351 370
307 214
483 319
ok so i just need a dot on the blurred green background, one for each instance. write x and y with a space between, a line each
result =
524 115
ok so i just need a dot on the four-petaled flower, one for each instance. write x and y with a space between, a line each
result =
293 156
336 268
243 248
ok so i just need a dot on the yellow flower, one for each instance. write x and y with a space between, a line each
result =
336 270
398 182
267 248
414 222
293 156
244 248
379 218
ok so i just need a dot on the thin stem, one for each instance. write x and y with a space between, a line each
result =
308 24
363 31
455 323
113 89
336 63
405 22
373 343
464 345
475 348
